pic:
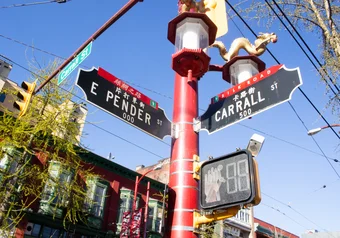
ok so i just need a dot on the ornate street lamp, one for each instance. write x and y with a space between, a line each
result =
191 33
242 68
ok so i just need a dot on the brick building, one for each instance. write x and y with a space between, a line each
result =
264 229
113 193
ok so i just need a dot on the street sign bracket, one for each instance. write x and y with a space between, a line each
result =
174 130
196 167
199 219
197 124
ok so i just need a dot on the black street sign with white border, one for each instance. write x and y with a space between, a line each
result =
261 92
112 95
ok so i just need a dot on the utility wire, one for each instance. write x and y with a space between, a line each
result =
148 151
323 187
262 132
278 62
323 155
131 143
111 133
304 42
317 144
310 61
166 96
288 142
293 210
87 67
277 210
30 46
33 3
163 95
299 90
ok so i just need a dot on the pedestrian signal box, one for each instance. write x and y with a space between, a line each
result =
229 181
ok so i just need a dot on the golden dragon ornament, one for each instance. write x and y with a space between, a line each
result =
259 47
202 6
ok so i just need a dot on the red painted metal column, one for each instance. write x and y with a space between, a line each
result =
146 211
183 189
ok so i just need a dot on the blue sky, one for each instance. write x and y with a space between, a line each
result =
136 49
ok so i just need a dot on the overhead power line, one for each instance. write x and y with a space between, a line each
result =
134 144
240 124
87 67
306 97
163 95
30 46
304 42
107 131
34 3
127 141
278 62
317 144
277 210
275 199
288 142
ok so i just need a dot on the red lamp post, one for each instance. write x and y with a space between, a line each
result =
159 166
191 33
146 212
147 198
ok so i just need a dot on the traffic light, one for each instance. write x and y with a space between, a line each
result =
25 97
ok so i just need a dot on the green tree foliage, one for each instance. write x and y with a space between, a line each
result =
48 131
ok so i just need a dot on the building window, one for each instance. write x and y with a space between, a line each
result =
155 215
9 160
125 205
241 215
36 230
42 231
2 97
33 230
49 232
56 188
96 193
4 162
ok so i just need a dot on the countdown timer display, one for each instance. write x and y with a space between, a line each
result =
227 181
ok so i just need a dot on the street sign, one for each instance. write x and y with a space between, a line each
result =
114 96
257 94
74 63
227 181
